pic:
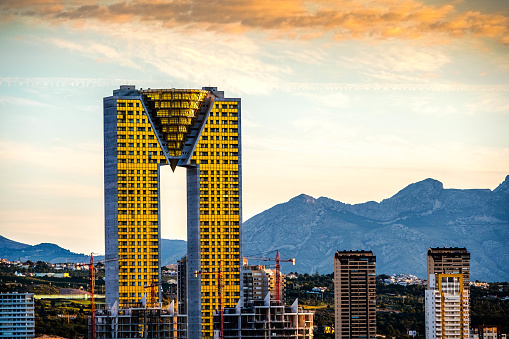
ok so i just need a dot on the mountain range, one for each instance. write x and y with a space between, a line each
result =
13 250
398 230
171 251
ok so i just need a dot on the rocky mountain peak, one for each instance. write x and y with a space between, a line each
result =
427 188
421 196
303 198
503 188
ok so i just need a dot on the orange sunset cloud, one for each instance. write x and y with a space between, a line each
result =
349 19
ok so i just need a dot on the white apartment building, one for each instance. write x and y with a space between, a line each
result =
447 307
17 315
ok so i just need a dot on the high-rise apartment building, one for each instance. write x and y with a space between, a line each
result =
200 131
447 313
447 294
355 294
449 260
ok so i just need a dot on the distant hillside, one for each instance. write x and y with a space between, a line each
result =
399 230
171 251
47 252
7 244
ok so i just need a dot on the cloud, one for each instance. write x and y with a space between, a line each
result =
281 86
394 62
100 51
490 102
402 59
307 56
292 19
195 58
327 100
15 101
388 86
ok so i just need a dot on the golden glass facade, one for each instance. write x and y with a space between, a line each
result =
138 157
145 129
217 154
175 113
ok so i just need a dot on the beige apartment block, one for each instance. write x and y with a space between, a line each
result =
355 294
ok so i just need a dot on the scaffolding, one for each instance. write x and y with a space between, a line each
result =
141 322
265 319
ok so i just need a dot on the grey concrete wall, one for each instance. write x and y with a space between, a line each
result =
110 200
160 293
193 254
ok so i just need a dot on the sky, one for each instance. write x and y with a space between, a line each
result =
348 99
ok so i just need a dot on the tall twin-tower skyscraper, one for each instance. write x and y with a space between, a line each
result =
198 130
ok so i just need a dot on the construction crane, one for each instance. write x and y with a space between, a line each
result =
220 295
278 261
153 292
91 269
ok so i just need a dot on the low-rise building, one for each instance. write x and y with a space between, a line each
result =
51 275
487 332
17 315
404 280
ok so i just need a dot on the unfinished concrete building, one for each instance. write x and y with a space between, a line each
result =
265 319
141 322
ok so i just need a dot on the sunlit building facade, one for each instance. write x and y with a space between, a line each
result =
449 260
447 307
448 293
200 131
355 294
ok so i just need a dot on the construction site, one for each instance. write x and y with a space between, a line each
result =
260 313
144 130
265 319
141 322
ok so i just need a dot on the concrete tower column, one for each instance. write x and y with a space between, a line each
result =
193 254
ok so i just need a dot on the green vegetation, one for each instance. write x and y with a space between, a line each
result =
65 318
61 317
486 306
399 308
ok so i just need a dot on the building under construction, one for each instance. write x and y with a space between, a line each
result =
141 322
264 319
